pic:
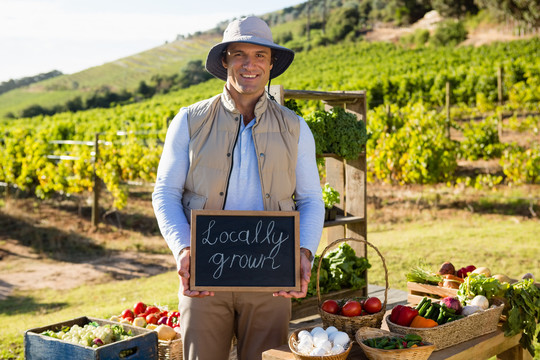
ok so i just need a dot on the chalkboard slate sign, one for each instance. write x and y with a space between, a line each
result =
245 250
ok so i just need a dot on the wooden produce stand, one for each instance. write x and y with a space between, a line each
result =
480 348
348 177
484 347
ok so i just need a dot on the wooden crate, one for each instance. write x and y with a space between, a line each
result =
310 306
417 291
41 347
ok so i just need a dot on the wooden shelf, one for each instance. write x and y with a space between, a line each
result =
348 177
344 220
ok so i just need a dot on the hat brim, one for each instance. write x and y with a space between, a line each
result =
283 58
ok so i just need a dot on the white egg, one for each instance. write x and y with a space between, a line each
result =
308 340
341 338
337 349
331 329
327 346
319 338
317 352
332 335
304 348
303 334
316 330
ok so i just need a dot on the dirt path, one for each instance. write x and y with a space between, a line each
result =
51 245
23 269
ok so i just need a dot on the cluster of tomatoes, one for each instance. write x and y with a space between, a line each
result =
352 307
151 314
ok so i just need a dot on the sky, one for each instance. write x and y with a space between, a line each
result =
38 36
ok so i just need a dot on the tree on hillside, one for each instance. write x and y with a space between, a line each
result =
342 22
145 90
527 11
455 8
193 73
75 104
401 12
449 33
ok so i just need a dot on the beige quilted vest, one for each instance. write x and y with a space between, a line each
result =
213 128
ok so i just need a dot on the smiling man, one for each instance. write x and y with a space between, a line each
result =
239 150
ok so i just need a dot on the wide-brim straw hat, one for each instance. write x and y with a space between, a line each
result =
251 30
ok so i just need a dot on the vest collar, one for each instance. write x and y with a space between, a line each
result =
228 102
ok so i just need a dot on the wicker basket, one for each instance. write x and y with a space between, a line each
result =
418 353
170 350
351 324
293 340
457 331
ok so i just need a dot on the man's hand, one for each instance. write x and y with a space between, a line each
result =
183 272
305 275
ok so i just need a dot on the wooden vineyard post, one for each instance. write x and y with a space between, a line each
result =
448 109
96 189
500 84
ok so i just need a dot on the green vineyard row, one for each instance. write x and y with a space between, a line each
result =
408 134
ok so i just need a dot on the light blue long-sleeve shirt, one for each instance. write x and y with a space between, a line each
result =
244 189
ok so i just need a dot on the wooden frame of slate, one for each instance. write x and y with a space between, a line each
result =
245 250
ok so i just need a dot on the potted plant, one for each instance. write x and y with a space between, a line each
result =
330 197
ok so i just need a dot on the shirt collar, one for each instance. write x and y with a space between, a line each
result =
229 104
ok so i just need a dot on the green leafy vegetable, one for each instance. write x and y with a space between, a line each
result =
330 196
337 131
340 269
479 284
524 314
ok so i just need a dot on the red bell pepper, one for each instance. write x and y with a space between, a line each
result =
394 315
173 321
406 316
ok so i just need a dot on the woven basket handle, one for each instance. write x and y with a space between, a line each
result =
331 245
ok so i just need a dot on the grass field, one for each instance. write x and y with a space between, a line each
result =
406 231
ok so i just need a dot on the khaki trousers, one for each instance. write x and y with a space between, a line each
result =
259 321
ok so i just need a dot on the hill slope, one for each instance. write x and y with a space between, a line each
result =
124 73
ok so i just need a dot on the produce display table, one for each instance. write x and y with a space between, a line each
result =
483 347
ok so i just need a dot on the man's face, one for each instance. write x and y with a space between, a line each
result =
248 68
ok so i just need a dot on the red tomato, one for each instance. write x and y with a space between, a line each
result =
152 309
151 319
372 305
139 308
330 306
351 308
128 313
